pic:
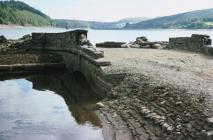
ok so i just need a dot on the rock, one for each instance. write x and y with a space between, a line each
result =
189 126
163 102
178 103
145 111
145 46
157 119
3 39
170 129
178 119
188 115
148 115
134 46
205 136
111 45
178 127
210 121
125 45
141 39
143 42
100 105
210 135
152 115
114 115
165 125
26 37
156 46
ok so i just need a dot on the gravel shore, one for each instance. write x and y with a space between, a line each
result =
166 94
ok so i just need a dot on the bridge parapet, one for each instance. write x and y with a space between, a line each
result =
79 56
75 41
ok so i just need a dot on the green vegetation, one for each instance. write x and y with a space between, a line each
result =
96 25
62 23
201 19
19 13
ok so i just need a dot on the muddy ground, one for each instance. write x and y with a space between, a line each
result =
166 94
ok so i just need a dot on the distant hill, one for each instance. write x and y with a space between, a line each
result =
201 19
133 20
19 13
63 23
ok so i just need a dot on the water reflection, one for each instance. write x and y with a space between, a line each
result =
53 107
75 89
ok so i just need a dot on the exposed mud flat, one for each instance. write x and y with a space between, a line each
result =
165 95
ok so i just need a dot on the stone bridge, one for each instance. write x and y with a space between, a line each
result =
79 54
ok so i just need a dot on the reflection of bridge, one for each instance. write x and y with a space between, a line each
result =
75 91
79 55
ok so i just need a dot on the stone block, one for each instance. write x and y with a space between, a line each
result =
195 43
3 39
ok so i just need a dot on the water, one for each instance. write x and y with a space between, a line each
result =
152 35
50 107
17 32
96 36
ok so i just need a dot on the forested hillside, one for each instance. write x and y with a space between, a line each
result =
200 19
19 13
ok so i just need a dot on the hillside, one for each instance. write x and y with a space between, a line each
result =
201 19
133 20
19 13
63 23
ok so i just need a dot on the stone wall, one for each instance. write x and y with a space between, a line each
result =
66 39
78 54
195 43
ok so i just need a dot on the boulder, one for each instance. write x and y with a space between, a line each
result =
156 46
3 39
134 46
100 105
111 44
142 39
26 37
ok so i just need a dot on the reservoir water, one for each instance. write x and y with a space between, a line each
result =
48 107
60 106
96 36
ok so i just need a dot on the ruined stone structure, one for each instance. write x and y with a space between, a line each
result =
195 43
78 53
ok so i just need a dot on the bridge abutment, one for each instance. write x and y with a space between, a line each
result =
78 54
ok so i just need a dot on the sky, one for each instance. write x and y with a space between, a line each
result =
112 10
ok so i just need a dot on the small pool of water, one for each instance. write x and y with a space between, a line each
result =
50 107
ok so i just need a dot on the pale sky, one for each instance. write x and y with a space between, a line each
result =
112 10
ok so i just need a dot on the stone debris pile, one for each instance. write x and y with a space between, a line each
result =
140 42
110 44
20 44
